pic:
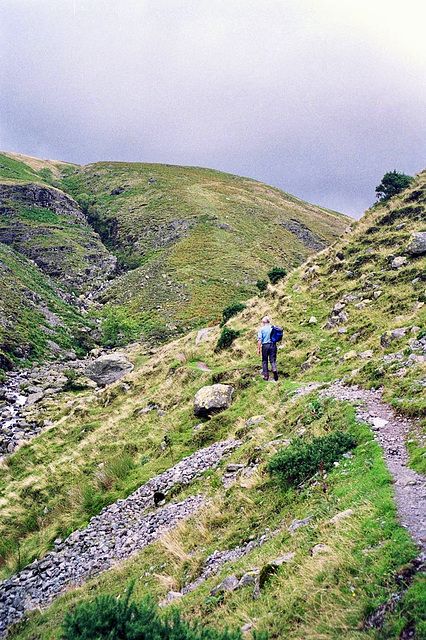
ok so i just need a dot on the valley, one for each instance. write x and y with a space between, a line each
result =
227 542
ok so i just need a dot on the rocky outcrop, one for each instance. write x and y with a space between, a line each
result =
108 369
305 235
48 227
417 243
43 197
117 533
210 400
388 337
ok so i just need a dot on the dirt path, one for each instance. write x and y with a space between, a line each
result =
391 431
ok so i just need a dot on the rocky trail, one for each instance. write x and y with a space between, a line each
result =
391 432
117 533
122 529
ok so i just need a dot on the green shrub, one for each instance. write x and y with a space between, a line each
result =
301 460
120 326
114 619
73 382
226 338
261 285
231 311
276 274
391 184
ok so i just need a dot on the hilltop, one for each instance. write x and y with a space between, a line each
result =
354 313
148 250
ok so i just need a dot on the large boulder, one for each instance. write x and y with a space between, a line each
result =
108 369
209 400
417 243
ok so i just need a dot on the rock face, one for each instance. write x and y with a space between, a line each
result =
108 369
417 243
47 226
309 239
210 400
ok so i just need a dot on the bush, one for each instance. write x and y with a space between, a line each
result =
391 184
231 311
111 619
73 383
226 338
301 460
261 285
276 274
119 326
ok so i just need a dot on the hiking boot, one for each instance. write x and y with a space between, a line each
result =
265 378
275 375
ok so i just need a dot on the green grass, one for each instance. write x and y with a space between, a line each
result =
12 170
322 596
55 483
188 238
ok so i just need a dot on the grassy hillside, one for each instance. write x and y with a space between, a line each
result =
189 241
35 316
102 445
158 248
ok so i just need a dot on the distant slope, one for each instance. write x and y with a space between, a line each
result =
166 247
191 240
46 168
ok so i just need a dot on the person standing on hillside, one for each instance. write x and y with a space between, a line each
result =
267 349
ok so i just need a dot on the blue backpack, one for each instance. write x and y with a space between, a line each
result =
276 334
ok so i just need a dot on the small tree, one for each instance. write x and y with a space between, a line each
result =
276 274
226 338
231 311
391 184
261 285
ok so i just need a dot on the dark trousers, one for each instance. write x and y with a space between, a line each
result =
269 351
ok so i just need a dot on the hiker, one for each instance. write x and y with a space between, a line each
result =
267 349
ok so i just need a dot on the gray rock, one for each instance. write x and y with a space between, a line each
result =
388 337
246 628
398 262
233 468
296 524
338 307
35 397
108 369
341 516
287 557
210 400
417 243
229 584
249 578
320 548
172 596
254 420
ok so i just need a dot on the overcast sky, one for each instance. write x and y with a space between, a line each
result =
317 97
